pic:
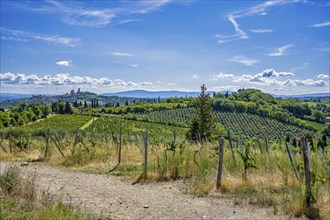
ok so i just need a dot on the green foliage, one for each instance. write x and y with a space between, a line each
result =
58 122
23 114
326 131
203 123
10 180
238 123
248 158
81 157
136 130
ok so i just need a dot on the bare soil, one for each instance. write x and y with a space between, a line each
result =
111 197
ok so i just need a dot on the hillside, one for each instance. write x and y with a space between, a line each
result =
154 94
10 100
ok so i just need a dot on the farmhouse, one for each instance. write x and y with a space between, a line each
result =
327 120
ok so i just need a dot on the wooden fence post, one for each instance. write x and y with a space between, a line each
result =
10 142
222 144
306 154
241 146
231 148
291 159
47 143
93 128
323 162
120 144
259 145
270 159
174 141
146 156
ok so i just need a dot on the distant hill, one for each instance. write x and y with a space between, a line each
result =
314 95
154 94
11 99
169 94
13 96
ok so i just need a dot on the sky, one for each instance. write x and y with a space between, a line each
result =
52 46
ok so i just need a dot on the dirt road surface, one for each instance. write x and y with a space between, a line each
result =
110 197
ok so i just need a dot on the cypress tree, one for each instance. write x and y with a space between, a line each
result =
203 124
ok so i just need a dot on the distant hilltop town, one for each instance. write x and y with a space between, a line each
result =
72 92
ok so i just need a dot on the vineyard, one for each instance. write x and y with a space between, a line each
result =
135 129
237 123
60 122
252 169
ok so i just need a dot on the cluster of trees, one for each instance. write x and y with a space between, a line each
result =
138 108
23 114
322 107
255 102
62 108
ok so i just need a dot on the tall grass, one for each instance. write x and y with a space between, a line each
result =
197 163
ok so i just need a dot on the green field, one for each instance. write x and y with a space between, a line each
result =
319 127
131 129
60 122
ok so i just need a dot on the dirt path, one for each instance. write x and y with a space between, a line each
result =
112 198
88 124
41 119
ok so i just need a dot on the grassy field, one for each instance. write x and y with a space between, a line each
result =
58 122
319 127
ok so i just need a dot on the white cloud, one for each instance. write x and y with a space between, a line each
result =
274 82
244 60
121 54
171 84
323 76
64 79
195 76
239 33
307 82
303 66
55 39
259 9
84 14
159 82
324 24
259 31
243 78
64 63
223 75
322 49
135 65
126 21
280 51
268 78
225 88
272 73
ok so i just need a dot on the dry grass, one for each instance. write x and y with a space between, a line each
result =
20 199
280 190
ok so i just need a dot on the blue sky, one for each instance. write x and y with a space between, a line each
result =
280 47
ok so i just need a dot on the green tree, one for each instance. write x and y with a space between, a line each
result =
326 131
318 116
46 110
61 107
204 120
68 108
